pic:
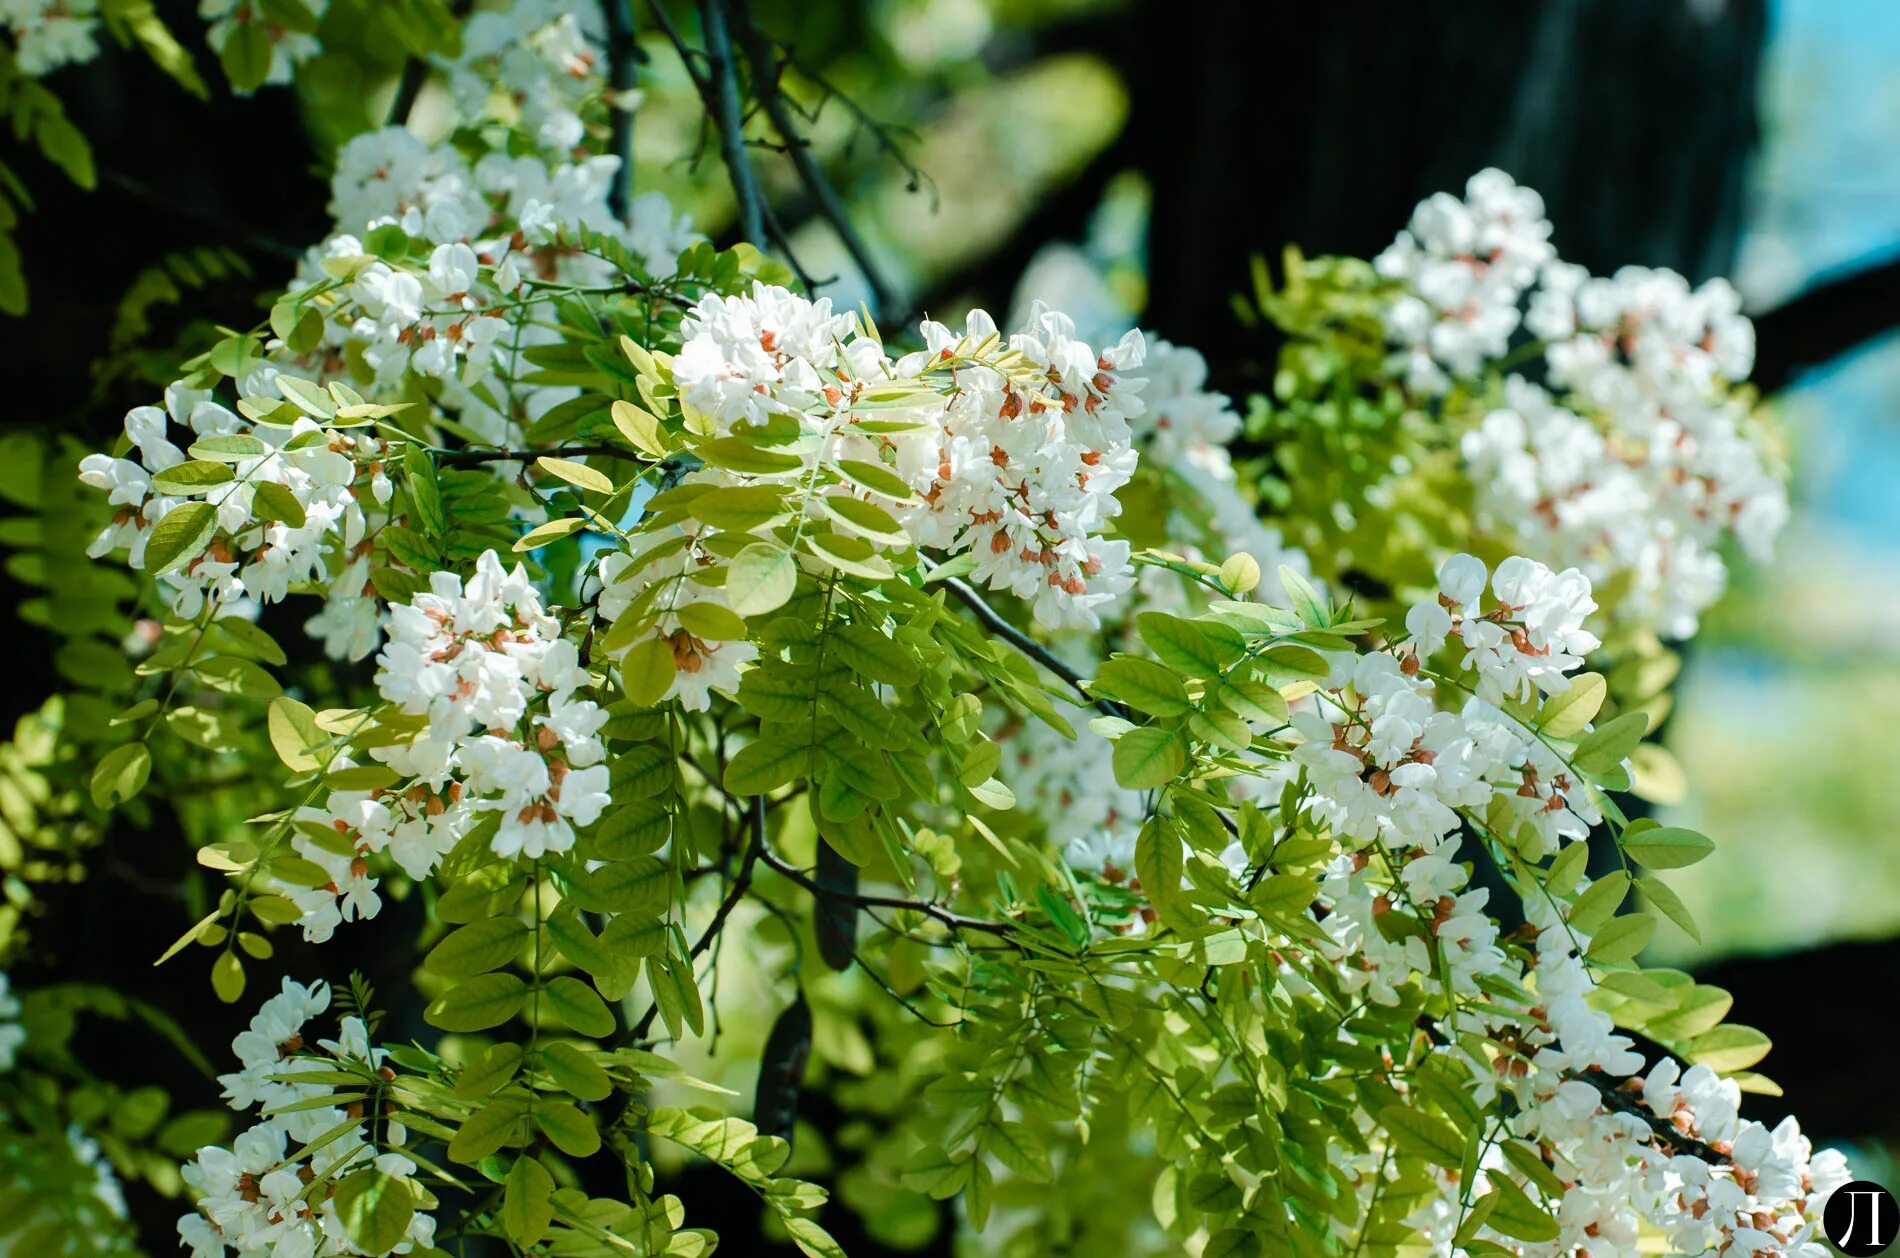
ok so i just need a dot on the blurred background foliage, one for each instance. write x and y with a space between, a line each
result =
1129 160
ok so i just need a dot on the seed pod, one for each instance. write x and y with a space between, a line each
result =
835 917
782 1070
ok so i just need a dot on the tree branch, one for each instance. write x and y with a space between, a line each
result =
721 91
766 73
455 458
623 52
1041 654
945 916
415 73
1615 1098
1841 312
741 883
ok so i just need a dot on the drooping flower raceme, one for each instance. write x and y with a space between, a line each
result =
500 735
1464 265
48 34
252 1199
1014 448
1635 456
1628 451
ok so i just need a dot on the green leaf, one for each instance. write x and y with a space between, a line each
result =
232 447
1727 1049
489 1073
575 1073
1158 860
570 1130
1147 758
576 474
641 429
271 501
765 764
639 829
1305 599
552 531
227 977
813 1240
294 734
1605 748
1665 901
647 671
877 478
740 508
864 519
760 579
478 947
478 1004
489 1128
1622 939
246 56
711 621
1517 1216
180 536
1198 648
1599 901
1433 1139
185 479
580 1007
1667 847
527 1205
120 774
1141 684
375 1209
1564 715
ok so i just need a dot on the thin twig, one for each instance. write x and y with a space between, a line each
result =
967 595
741 882
766 73
945 916
722 90
1614 1097
456 457
623 51
229 229
415 73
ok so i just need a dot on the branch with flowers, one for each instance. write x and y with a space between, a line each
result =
667 624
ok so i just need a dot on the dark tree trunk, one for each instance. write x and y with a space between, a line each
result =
1324 126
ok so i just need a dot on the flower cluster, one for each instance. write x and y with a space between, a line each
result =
331 475
1529 641
1463 266
1642 461
491 687
289 47
691 616
1395 777
1657 1152
533 63
1021 468
490 227
1015 456
48 34
489 670
1627 451
253 1199
1395 774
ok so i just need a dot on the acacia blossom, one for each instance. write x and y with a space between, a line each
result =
252 1199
